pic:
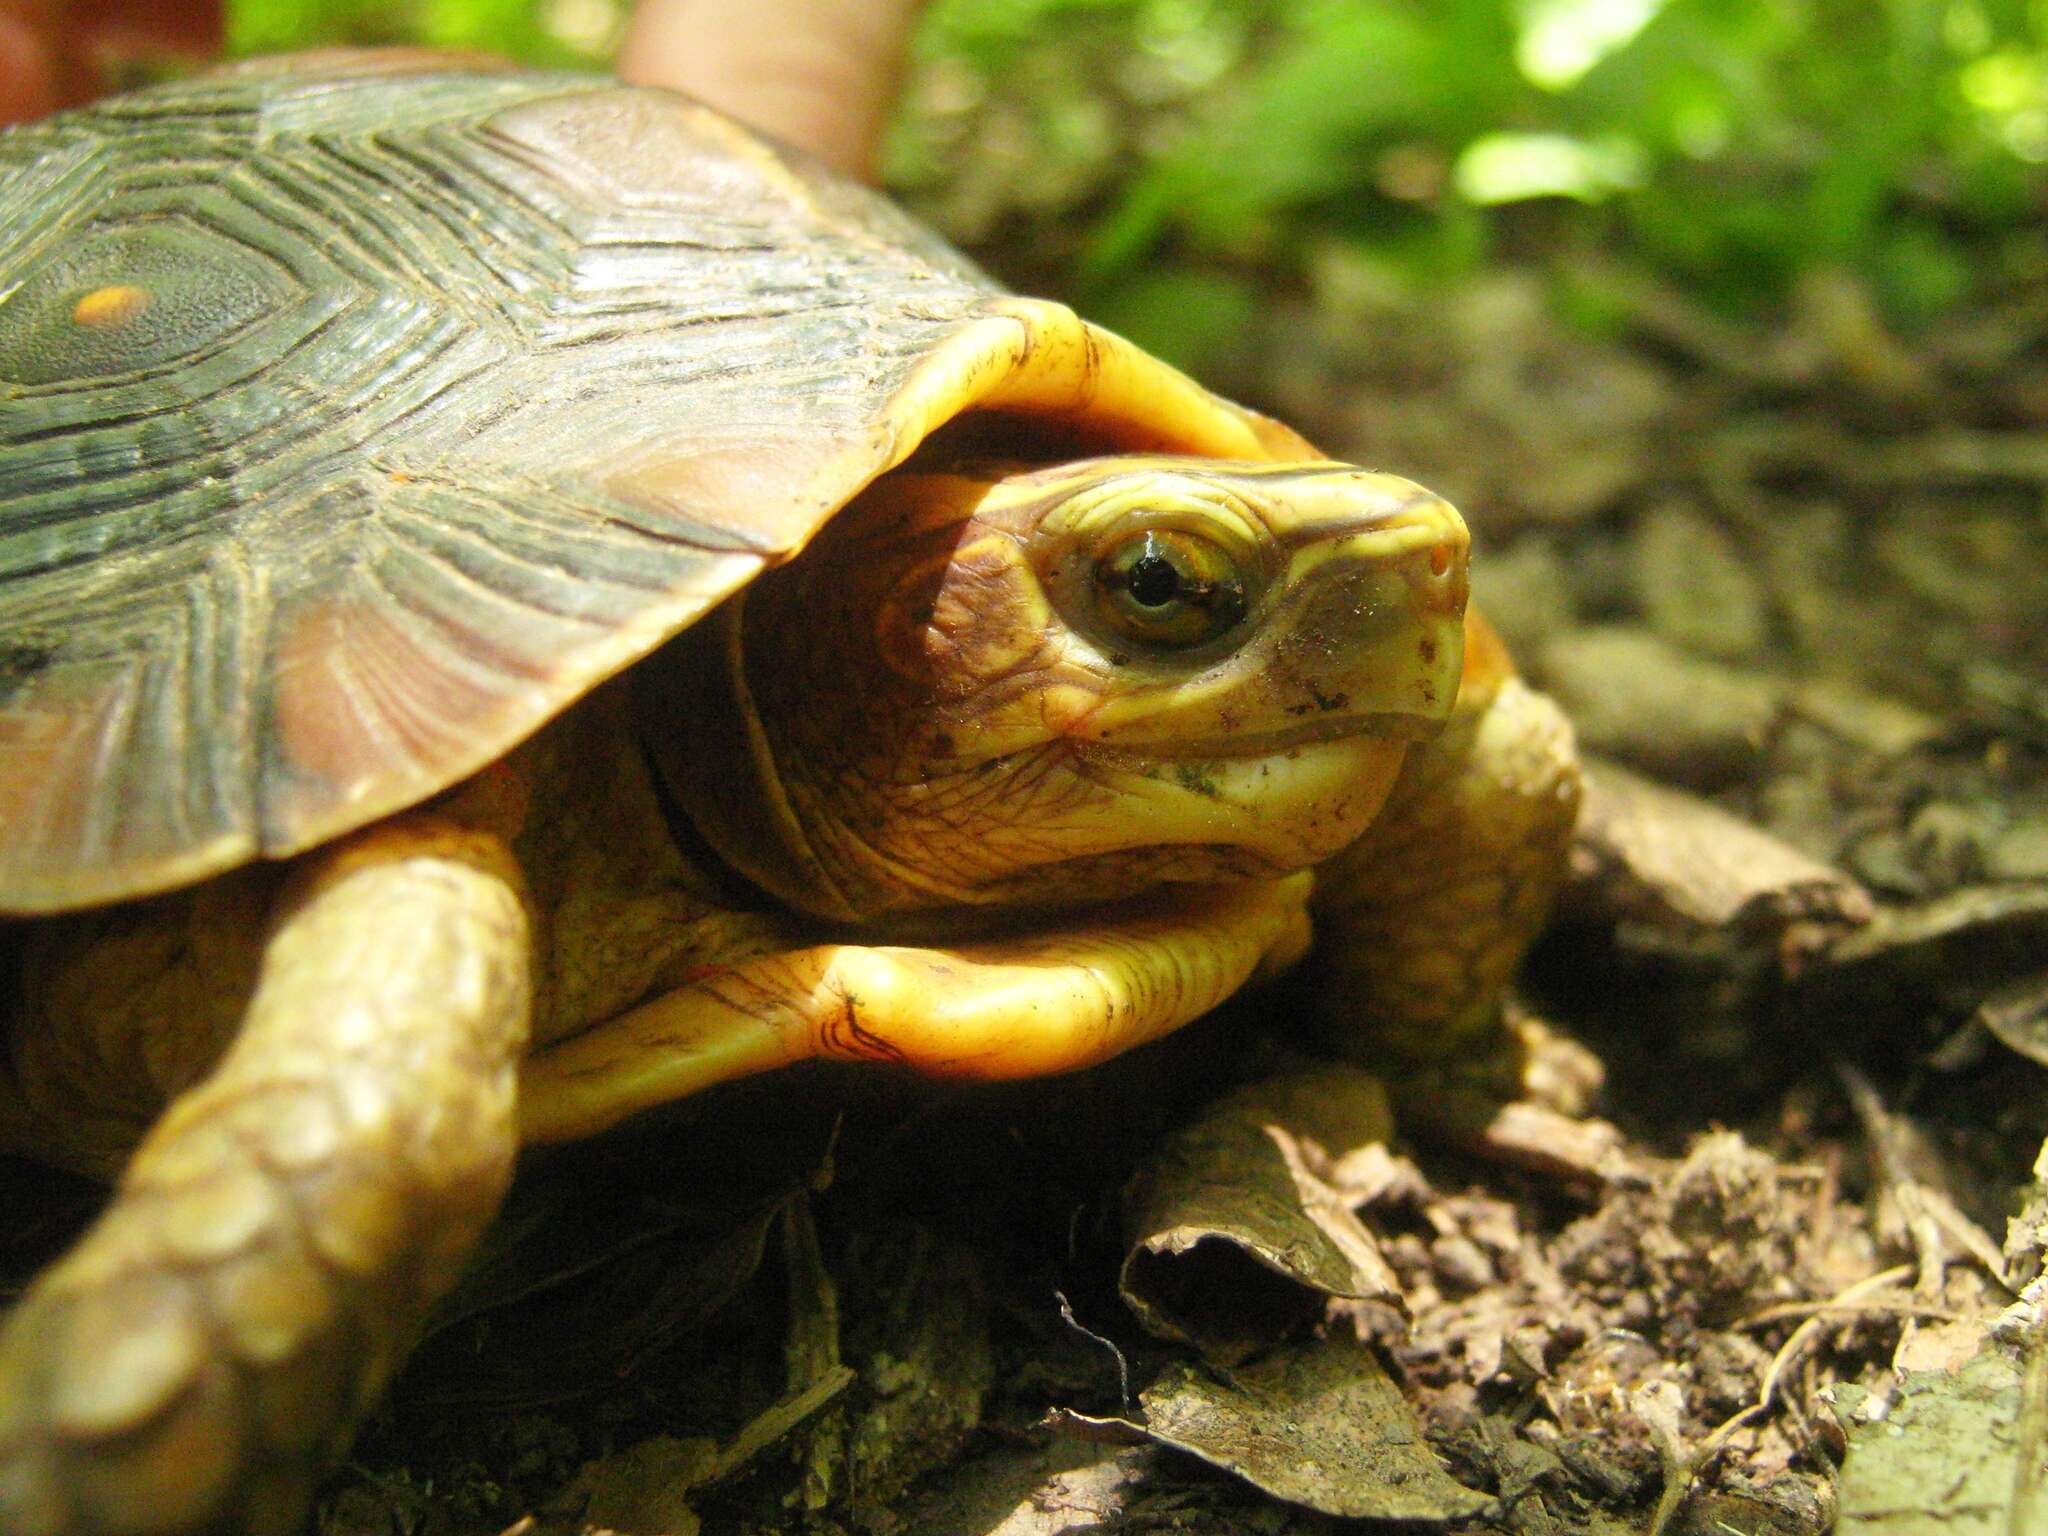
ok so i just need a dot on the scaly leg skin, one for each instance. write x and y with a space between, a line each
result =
1017 1007
200 1357
1421 923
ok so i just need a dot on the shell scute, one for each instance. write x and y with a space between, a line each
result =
353 425
447 397
133 299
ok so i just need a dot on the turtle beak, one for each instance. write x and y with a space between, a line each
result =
1369 632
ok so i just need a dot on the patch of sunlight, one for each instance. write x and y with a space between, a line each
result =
1562 39
1966 28
2010 89
2006 81
1701 128
2026 135
1513 167
588 26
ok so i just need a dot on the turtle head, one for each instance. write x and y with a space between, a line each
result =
1025 685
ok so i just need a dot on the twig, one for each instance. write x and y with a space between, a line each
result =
1123 1371
1887 1308
1797 1341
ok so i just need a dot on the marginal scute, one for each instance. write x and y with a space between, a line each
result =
628 149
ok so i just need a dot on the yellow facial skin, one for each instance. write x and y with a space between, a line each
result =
1084 681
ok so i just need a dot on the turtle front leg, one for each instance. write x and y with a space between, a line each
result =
1421 924
203 1353
1024 1006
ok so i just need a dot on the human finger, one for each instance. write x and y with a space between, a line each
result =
819 74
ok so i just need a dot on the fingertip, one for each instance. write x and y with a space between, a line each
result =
818 74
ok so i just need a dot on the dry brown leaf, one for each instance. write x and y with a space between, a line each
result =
1235 1240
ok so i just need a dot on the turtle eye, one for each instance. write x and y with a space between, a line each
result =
1168 588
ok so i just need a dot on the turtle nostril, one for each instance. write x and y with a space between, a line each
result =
1440 560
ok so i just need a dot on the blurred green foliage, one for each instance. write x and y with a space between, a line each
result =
1731 144
552 33
1165 159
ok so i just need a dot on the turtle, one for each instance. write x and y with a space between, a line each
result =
522 601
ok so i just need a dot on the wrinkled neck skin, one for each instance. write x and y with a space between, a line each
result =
929 710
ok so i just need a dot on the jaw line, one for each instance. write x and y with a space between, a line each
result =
1219 825
977 923
1246 746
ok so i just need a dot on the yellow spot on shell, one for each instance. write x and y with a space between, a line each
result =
110 308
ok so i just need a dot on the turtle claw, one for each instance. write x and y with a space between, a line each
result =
193 1365
125 1412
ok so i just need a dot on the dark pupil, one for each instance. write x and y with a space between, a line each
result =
1153 581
